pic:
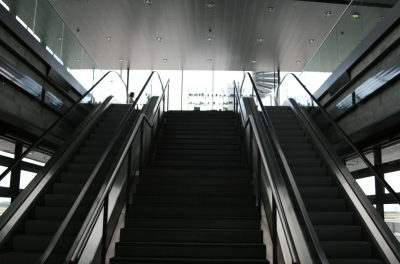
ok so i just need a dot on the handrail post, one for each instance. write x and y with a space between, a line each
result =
259 179
104 237
274 233
128 178
141 147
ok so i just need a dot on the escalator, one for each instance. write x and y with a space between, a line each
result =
338 228
34 231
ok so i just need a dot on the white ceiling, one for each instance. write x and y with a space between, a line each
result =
183 25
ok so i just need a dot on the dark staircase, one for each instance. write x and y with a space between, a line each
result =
35 232
338 228
195 202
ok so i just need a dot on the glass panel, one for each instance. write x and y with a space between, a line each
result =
393 178
358 164
198 92
223 86
175 87
354 25
367 184
4 204
391 153
26 178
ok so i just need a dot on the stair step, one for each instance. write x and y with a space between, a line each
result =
64 200
313 181
29 257
73 188
74 177
200 132
308 171
347 249
194 180
338 233
191 235
197 222
26 243
190 250
193 190
319 192
306 162
122 260
331 218
198 163
193 210
198 146
354 261
196 172
58 213
333 205
294 146
225 200
200 141
87 159
300 154
50 227
206 152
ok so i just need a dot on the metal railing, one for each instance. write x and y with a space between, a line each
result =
293 186
101 201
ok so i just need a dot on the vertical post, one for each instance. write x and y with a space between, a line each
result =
128 178
379 188
16 172
127 86
259 179
104 238
234 97
168 99
274 233
251 148
141 147
182 91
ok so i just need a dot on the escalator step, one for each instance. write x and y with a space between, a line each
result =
338 233
347 249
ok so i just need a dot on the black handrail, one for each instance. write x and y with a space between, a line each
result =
292 182
285 225
80 197
357 150
29 149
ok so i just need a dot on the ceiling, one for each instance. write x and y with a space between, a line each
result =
184 27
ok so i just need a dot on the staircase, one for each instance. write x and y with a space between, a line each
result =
35 232
195 202
343 239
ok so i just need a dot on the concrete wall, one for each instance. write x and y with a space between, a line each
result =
381 104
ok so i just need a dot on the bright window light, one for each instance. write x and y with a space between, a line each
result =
9 155
5 6
22 22
367 184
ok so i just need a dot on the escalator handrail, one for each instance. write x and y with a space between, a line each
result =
78 200
285 225
293 185
356 149
29 149
90 222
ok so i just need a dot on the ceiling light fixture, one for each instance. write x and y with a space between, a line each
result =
328 13
121 60
382 17
59 38
298 62
165 60
159 39
311 41
253 61
209 39
355 16
260 39
149 2
270 9
108 38
78 60
210 5
209 60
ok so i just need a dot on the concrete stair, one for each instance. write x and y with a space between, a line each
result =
195 201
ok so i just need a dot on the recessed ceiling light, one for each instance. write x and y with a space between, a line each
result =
78 60
260 39
382 17
165 60
210 5
253 61
149 2
355 16
108 38
270 9
59 38
121 59
209 60
209 39
159 39
311 41
298 62
328 13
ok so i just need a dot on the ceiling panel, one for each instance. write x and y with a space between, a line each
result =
183 25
